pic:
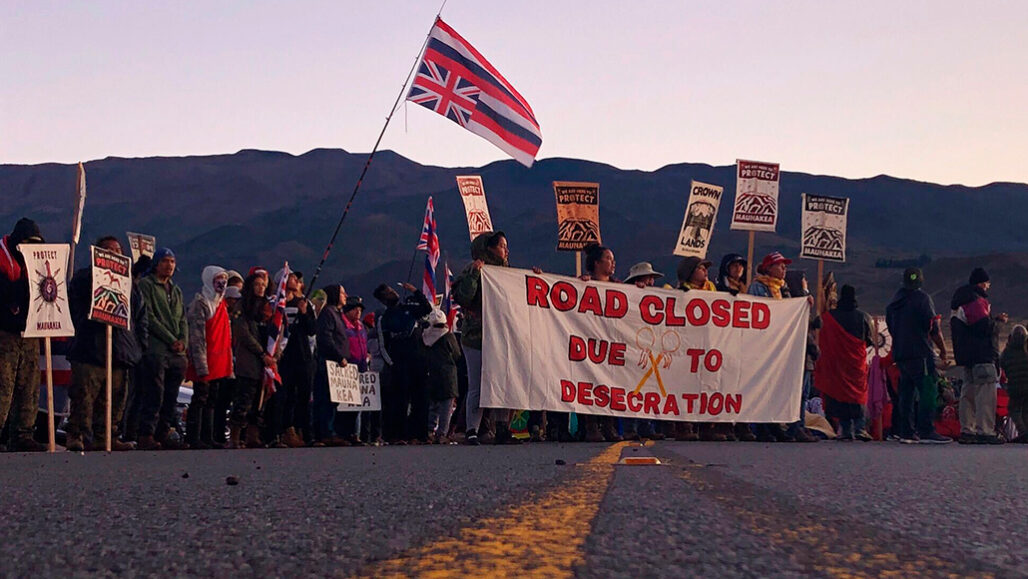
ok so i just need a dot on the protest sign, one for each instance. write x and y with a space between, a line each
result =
141 244
370 399
48 313
558 343
472 192
700 216
578 214
343 383
756 196
824 227
112 286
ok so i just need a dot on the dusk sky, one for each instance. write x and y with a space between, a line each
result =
928 90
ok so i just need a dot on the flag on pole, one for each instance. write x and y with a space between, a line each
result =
456 81
449 307
429 243
80 203
277 331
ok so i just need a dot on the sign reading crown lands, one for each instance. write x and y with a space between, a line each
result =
48 314
700 217
578 214
824 227
112 288
558 343
475 207
756 196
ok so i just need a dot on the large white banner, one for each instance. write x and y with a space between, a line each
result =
756 196
557 343
475 207
700 217
824 227
48 315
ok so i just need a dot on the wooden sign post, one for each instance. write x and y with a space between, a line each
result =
110 305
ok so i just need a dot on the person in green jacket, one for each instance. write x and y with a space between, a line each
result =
487 249
165 361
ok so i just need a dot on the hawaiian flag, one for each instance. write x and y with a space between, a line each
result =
456 81
449 307
429 243
277 334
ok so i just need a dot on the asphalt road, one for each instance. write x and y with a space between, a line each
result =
712 509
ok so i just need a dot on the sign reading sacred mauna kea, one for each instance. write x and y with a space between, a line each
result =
558 343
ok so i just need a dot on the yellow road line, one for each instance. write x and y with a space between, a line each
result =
540 538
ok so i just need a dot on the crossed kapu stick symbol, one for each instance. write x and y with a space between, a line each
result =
663 359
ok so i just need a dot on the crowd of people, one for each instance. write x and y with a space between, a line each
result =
246 394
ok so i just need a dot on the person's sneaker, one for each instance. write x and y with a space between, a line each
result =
804 435
992 439
147 442
967 438
936 438
844 438
863 436
892 438
909 439
471 438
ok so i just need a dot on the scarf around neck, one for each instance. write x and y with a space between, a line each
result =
773 284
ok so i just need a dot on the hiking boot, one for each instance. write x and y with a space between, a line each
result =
234 443
147 442
25 443
935 438
684 432
253 437
74 443
743 433
804 435
292 439
100 444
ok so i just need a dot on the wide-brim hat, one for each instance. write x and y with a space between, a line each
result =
642 269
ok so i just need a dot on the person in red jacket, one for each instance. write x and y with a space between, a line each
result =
209 354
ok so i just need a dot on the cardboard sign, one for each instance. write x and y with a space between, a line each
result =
48 315
756 196
112 288
700 217
824 227
343 383
141 244
618 350
370 394
578 214
472 192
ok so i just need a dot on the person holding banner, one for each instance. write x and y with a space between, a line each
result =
210 355
600 266
488 248
88 357
250 356
731 276
165 359
333 348
642 275
19 357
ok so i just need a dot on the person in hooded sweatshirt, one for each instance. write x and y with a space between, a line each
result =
488 248
88 357
975 334
250 357
19 357
731 276
357 340
441 354
210 355
402 375
1014 362
692 276
913 325
841 371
